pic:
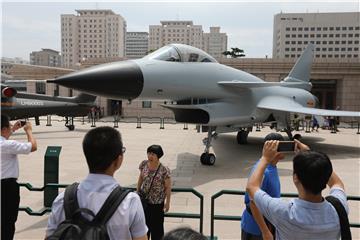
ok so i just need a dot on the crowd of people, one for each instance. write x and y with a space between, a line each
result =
98 206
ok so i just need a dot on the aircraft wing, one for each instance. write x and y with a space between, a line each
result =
287 105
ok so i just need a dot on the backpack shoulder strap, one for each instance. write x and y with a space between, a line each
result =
343 217
71 204
111 204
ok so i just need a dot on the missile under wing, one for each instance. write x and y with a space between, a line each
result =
202 91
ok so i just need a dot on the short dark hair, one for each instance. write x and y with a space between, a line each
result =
101 147
184 233
5 121
313 170
274 136
156 149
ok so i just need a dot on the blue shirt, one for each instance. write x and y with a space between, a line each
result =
270 185
300 219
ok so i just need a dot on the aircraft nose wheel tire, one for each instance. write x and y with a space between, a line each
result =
207 159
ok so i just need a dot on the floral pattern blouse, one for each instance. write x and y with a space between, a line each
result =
157 192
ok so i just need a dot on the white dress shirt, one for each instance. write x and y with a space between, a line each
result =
127 222
9 161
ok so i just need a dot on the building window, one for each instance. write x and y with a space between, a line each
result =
146 104
40 87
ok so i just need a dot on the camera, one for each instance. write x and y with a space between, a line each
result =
286 146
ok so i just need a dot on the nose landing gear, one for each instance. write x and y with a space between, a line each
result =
208 158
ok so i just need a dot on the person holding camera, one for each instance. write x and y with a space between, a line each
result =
253 224
309 216
10 192
154 187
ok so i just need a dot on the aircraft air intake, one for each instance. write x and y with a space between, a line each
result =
8 92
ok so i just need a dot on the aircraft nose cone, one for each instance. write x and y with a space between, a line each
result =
118 80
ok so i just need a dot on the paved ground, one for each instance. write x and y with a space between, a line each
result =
182 149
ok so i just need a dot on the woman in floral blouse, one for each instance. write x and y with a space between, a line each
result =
155 183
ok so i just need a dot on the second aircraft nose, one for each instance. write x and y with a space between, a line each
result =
118 80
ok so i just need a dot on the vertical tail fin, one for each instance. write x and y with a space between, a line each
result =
302 68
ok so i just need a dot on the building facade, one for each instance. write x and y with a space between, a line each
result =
136 44
91 34
335 35
215 42
46 57
184 32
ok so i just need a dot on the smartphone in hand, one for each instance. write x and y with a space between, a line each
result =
286 146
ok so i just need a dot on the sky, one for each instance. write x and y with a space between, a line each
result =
29 26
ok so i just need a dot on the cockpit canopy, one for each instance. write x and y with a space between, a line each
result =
180 53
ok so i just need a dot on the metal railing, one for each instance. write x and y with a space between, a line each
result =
45 210
238 218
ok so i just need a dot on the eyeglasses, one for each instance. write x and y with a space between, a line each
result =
123 150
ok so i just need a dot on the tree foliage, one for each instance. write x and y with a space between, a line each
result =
234 53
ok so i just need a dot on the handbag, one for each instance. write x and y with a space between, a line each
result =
144 196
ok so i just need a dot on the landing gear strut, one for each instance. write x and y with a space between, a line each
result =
208 158
69 123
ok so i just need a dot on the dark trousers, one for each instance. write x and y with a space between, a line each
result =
10 199
154 215
249 236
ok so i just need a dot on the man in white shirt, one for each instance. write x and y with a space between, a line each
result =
309 216
104 152
10 196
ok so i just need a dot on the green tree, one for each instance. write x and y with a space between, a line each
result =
234 53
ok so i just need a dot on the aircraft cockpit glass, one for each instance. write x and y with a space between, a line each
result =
180 53
166 53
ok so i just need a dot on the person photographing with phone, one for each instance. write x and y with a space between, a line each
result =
253 224
10 196
309 216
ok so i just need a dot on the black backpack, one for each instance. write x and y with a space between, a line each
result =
76 226
343 217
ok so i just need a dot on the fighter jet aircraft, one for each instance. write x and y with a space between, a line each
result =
18 105
199 90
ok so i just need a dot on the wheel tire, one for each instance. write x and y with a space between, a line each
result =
71 127
211 159
242 137
203 158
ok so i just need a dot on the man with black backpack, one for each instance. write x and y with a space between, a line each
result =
98 208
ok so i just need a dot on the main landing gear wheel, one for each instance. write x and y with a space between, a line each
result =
208 159
242 137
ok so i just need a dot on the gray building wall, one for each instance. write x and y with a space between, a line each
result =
336 35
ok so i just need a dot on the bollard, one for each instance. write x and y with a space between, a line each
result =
83 120
307 126
334 127
48 120
185 126
116 121
162 123
138 122
51 173
258 127
358 132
